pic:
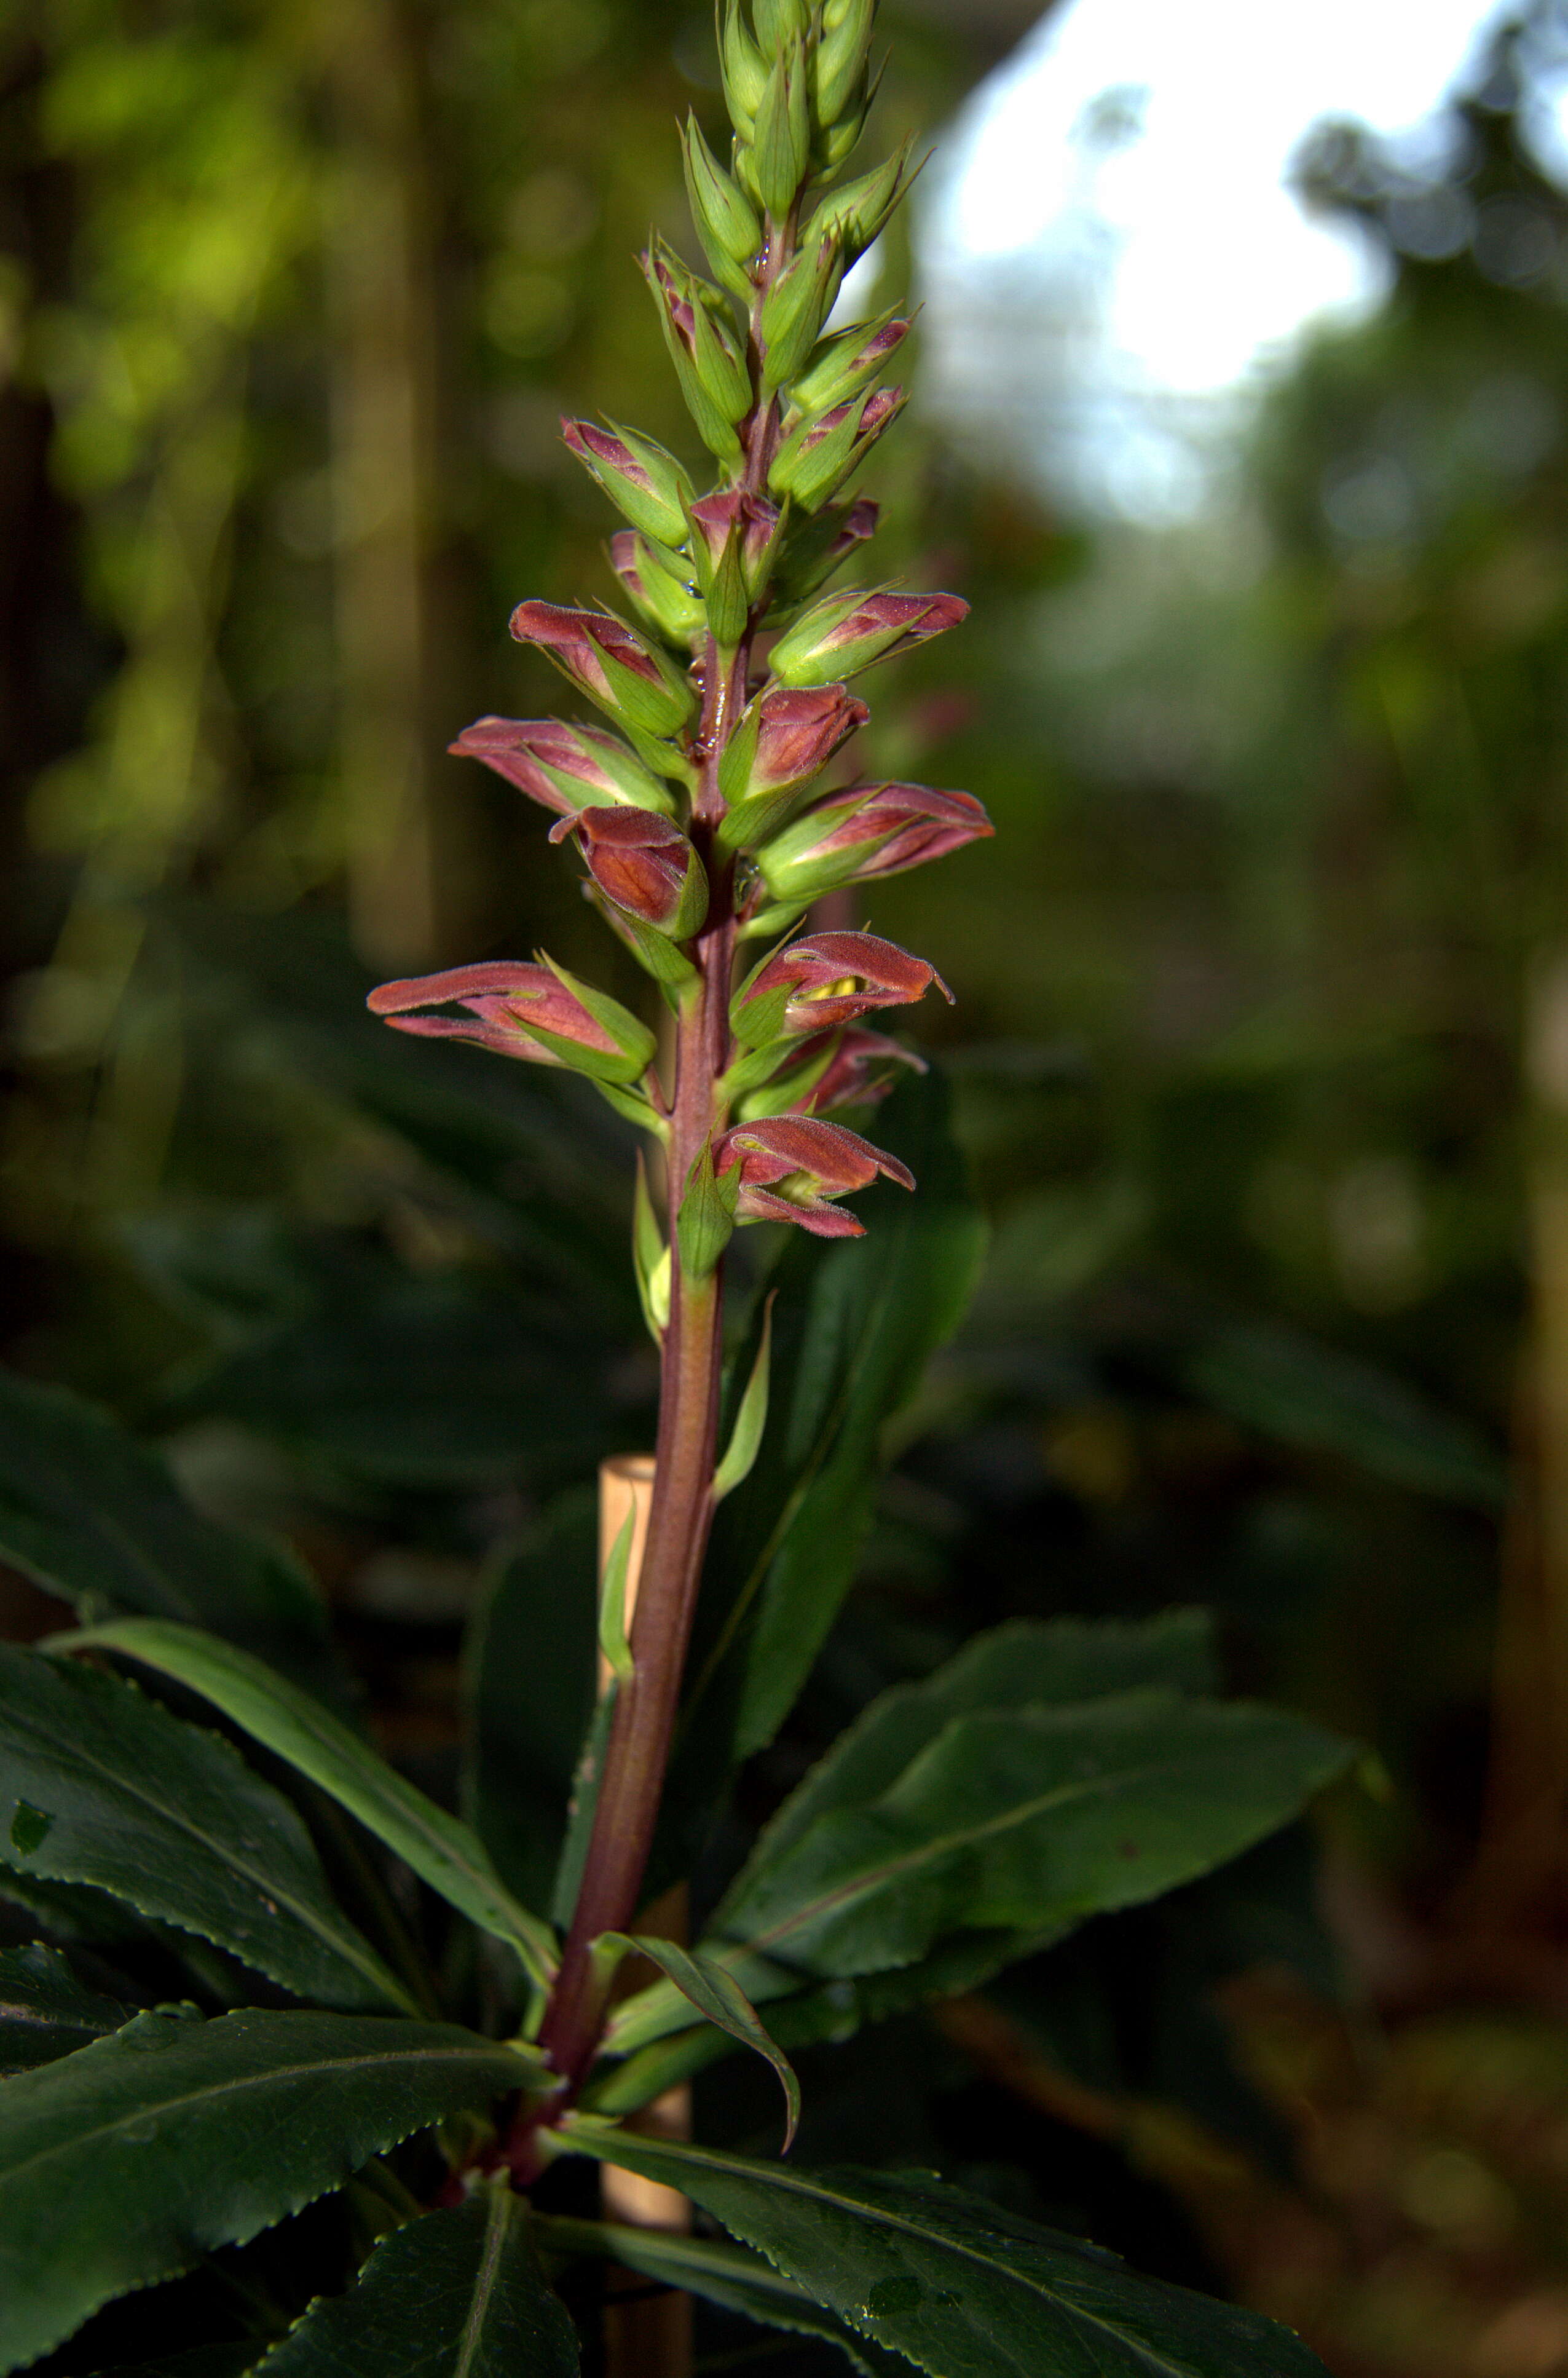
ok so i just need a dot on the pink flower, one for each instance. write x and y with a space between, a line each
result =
792 1166
520 1010
563 768
865 831
812 986
644 864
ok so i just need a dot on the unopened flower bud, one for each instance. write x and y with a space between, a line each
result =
796 308
845 633
538 1013
815 544
866 831
726 220
858 1071
786 735
847 364
709 366
648 485
817 456
791 1166
563 768
854 214
842 49
659 583
644 864
610 662
751 523
826 979
780 154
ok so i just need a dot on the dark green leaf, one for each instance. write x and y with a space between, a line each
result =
440 1848
100 1785
200 2361
1032 1819
45 2011
531 1670
94 1517
1048 1664
130 2160
1286 1384
854 1324
723 2275
717 1994
962 2287
455 2295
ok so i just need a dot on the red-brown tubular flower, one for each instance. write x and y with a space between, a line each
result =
858 1071
563 768
787 736
610 662
812 986
791 1166
519 1011
644 864
867 830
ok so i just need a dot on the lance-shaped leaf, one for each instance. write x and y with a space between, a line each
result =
538 1013
716 1995
611 664
792 1168
750 1419
963 2289
613 1640
45 2011
100 1785
721 2274
134 1543
1029 1819
175 2136
457 2294
563 768
826 979
440 1849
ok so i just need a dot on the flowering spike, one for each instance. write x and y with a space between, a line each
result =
563 768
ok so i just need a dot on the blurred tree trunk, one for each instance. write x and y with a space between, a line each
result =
404 877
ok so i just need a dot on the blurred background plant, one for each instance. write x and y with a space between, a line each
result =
1261 1060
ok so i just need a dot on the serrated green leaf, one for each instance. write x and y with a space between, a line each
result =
717 1994
133 1542
100 1785
45 2011
962 2287
457 2294
176 2135
442 1850
1029 1818
723 2275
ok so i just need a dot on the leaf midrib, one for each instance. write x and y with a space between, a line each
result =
362 1958
214 2090
947 1844
796 2185
497 2223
